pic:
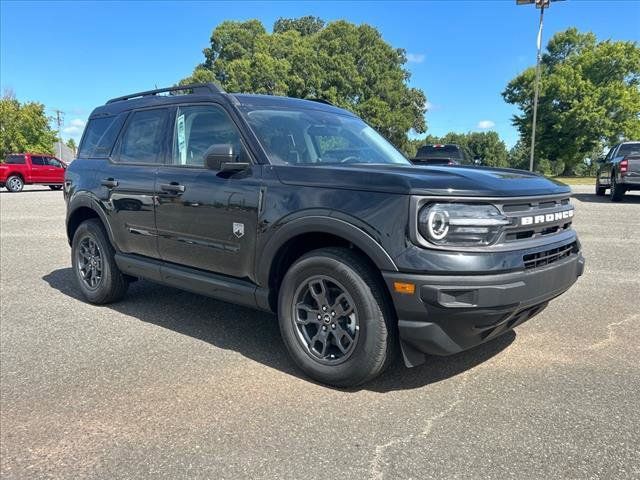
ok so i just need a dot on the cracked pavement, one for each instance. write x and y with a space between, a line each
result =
166 384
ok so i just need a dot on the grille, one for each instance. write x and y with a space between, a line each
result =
515 211
540 259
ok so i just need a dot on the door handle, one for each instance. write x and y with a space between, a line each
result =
109 183
172 187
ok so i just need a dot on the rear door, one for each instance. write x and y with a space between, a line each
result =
205 218
128 180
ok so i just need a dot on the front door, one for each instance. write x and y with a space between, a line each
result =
55 170
128 181
205 218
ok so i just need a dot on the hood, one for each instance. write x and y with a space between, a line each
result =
423 180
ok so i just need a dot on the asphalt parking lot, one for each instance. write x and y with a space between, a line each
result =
167 384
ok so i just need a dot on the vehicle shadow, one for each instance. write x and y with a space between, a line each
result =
256 334
593 198
30 190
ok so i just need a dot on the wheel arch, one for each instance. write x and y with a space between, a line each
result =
82 208
305 234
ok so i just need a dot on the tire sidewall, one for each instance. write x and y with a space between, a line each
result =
617 192
91 230
9 182
371 323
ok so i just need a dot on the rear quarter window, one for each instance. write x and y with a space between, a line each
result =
15 160
100 136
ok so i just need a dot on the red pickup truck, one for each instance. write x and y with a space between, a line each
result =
20 169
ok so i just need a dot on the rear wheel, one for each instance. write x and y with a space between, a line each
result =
335 318
92 256
600 191
14 183
55 187
617 191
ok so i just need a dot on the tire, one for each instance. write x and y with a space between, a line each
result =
90 242
370 326
617 191
600 191
55 187
15 184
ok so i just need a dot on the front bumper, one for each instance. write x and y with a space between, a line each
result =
450 313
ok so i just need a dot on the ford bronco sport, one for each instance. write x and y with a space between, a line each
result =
300 208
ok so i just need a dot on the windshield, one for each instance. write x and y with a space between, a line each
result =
311 137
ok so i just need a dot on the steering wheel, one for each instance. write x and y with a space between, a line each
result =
350 159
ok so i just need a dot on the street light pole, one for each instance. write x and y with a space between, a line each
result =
541 4
537 91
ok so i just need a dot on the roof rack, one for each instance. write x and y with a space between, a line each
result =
320 100
201 88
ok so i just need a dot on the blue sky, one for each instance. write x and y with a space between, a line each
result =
75 55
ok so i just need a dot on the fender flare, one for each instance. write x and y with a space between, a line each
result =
324 224
86 200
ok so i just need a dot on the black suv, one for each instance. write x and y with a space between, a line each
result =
300 208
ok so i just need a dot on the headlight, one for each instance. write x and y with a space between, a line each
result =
460 224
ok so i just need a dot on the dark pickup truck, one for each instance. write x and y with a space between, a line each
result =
619 171
300 208
439 154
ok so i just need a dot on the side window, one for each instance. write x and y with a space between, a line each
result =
52 162
197 129
99 136
15 160
38 160
144 138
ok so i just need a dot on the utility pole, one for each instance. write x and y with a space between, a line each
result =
59 117
537 92
541 4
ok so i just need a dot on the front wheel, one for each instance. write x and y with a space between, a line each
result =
14 184
335 318
600 190
617 190
93 260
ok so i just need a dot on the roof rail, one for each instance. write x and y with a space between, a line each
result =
320 100
201 88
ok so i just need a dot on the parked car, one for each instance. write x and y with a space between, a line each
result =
300 208
438 154
619 171
20 169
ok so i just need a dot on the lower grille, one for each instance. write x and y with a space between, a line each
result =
540 259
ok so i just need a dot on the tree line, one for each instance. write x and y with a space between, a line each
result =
589 93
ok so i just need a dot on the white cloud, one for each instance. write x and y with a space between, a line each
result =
485 124
74 128
415 57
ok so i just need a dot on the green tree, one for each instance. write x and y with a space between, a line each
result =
304 25
71 143
346 64
24 127
589 98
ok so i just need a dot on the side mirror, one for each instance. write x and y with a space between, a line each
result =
219 154
600 160
224 158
